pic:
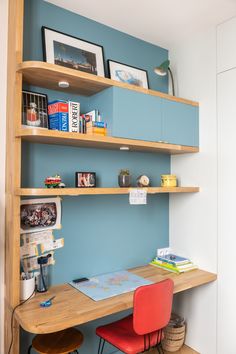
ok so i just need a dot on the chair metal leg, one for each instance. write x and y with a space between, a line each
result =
101 345
29 349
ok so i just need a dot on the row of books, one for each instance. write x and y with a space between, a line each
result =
65 116
173 263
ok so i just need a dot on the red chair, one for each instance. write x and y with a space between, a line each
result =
144 329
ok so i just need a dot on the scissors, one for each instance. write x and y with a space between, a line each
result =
47 303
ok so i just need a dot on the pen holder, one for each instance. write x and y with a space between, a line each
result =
27 287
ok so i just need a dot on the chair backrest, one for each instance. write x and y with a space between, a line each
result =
152 306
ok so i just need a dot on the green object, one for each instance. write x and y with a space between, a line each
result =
162 69
124 172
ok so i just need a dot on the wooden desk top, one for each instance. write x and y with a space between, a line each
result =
71 307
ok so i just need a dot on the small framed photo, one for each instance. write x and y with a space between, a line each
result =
85 179
128 74
40 214
34 109
71 52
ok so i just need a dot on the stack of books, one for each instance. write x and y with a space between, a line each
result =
92 124
64 116
173 263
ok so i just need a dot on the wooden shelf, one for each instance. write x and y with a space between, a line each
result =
184 350
71 307
48 75
99 191
45 136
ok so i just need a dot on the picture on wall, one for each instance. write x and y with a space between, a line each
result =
40 214
34 109
128 74
72 52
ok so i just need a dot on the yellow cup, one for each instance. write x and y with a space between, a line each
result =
168 181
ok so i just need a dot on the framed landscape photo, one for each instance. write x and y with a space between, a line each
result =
128 74
71 52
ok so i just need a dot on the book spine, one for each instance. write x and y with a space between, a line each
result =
96 124
73 116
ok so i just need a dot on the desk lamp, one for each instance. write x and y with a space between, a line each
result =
162 70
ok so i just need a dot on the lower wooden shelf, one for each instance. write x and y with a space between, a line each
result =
184 350
99 191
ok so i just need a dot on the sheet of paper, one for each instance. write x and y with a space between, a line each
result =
163 251
37 237
138 196
52 245
28 250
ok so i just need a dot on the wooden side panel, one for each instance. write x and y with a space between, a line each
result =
13 170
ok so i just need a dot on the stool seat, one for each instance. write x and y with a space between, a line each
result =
62 342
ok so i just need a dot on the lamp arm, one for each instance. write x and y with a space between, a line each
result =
172 81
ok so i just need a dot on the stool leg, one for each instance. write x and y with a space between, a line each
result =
101 345
29 349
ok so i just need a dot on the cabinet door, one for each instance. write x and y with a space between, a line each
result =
180 123
136 115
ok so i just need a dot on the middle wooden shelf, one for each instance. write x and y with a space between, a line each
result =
99 191
55 137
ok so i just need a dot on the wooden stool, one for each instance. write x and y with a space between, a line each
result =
63 342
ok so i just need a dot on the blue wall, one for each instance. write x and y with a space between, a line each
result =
117 45
102 233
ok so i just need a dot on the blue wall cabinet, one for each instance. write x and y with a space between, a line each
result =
180 123
129 114
136 115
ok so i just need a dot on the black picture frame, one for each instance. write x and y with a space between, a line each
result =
141 79
92 53
41 101
87 176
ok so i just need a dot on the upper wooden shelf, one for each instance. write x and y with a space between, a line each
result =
48 75
99 191
44 136
71 307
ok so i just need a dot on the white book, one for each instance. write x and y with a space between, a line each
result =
73 114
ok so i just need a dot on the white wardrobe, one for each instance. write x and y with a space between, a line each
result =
226 108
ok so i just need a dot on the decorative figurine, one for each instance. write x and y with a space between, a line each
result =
143 181
54 182
124 178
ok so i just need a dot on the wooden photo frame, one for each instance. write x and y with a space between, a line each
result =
72 52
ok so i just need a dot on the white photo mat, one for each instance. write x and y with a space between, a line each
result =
50 36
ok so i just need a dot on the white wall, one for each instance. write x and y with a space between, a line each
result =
226 92
193 218
3 64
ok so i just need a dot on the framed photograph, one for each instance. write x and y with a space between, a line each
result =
71 52
40 214
128 74
34 110
85 179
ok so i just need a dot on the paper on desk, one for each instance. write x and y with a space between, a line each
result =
138 196
38 237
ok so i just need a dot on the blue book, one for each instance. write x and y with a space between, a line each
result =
173 259
58 121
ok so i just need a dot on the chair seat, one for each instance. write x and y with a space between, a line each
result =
62 342
121 334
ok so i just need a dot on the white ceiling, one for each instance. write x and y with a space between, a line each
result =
162 22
